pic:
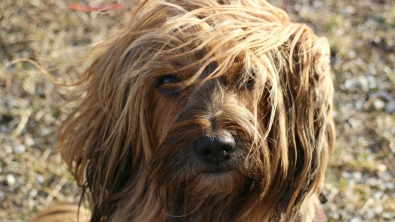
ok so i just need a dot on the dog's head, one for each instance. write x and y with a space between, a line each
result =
203 110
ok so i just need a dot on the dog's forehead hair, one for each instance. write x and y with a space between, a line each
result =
193 35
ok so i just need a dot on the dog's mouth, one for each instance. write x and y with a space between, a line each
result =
218 168
217 171
219 181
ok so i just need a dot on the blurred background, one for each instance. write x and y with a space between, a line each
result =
41 36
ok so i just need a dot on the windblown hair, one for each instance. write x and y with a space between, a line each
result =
183 69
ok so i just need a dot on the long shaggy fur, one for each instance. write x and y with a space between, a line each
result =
181 70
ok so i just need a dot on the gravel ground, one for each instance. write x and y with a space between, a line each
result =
40 36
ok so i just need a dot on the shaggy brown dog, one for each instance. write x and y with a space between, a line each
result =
204 110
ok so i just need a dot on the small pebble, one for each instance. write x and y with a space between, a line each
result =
387 215
317 4
346 175
390 107
8 149
386 176
372 82
29 141
350 84
10 179
384 95
335 216
378 195
45 132
372 181
378 209
378 104
359 105
33 193
30 203
390 185
369 214
40 179
363 82
381 167
357 175
3 128
18 149
355 219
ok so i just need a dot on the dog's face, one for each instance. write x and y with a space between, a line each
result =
204 111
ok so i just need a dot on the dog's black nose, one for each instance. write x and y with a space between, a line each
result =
215 149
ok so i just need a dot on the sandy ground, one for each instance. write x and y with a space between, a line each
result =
46 35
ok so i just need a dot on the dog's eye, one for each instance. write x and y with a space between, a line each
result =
168 84
167 79
250 83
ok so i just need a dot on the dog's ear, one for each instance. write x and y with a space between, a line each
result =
101 140
313 101
306 105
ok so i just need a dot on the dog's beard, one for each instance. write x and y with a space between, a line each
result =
197 192
191 189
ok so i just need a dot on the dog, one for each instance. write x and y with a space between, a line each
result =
204 110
